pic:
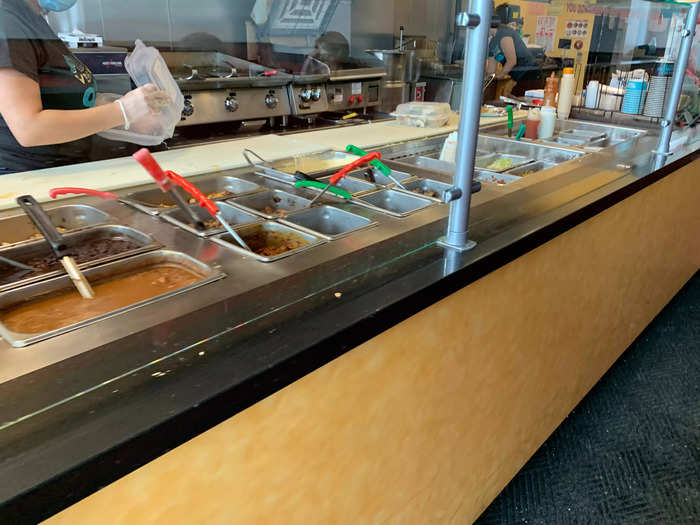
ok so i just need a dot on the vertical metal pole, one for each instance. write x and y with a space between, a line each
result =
475 48
677 83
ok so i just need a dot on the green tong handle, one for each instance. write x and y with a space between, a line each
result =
383 168
322 185
520 132
509 110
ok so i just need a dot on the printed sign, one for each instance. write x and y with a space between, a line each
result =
546 29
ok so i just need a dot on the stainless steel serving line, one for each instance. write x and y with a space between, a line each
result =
354 231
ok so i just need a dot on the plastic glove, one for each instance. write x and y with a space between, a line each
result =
142 102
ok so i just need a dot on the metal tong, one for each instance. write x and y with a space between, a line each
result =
144 157
383 168
206 203
57 243
344 171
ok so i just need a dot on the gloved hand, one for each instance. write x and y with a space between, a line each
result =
142 102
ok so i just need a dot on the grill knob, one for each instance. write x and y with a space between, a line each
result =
271 101
316 94
305 95
188 110
231 104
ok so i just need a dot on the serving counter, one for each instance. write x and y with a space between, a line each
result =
304 386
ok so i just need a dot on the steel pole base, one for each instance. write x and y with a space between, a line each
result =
442 241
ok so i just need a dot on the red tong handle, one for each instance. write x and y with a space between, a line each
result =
144 157
190 188
270 73
55 192
354 164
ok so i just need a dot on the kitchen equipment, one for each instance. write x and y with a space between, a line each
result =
88 247
55 192
144 157
43 223
548 118
344 171
509 110
521 132
222 88
205 203
423 114
394 202
383 168
16 264
335 190
234 216
101 274
328 221
567 88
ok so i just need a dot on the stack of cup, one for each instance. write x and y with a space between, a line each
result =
634 96
659 82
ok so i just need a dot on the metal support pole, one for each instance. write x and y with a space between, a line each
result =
475 48
677 84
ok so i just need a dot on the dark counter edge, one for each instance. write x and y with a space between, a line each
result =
97 472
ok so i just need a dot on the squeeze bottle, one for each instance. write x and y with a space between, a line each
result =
548 117
532 123
566 92
551 84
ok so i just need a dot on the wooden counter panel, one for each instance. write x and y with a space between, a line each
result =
428 421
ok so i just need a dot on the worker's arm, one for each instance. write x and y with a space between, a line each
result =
32 125
508 48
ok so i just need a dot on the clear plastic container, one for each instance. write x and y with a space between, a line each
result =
423 114
145 65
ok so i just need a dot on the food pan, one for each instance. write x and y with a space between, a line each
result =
428 188
231 214
393 202
34 252
500 179
20 228
328 222
379 178
271 204
531 168
251 230
430 164
486 162
315 163
155 201
13 299
353 186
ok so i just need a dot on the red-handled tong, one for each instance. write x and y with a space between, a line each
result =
344 171
207 203
55 192
144 157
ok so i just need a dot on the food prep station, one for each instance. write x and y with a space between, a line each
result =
272 214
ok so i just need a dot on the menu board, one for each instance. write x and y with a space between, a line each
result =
545 31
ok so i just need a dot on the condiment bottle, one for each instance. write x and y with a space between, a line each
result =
566 92
532 123
548 117
550 90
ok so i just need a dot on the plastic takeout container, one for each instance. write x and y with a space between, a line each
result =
423 114
145 65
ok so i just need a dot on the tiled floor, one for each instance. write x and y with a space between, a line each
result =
630 451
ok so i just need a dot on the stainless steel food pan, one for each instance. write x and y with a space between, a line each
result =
379 178
26 253
311 164
352 185
20 228
500 179
328 222
393 202
107 272
271 204
154 201
533 167
250 230
428 188
234 216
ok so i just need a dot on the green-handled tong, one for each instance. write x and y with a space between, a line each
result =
509 110
321 186
383 168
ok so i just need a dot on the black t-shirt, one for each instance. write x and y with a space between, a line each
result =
29 45
521 51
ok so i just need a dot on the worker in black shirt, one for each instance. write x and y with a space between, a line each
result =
507 48
47 96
